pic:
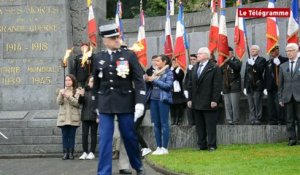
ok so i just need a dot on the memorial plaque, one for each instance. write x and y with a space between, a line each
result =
34 35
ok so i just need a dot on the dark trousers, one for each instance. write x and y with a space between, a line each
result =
137 124
206 128
89 126
128 134
276 113
293 116
190 116
177 113
255 105
68 136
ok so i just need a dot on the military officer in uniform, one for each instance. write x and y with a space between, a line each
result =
119 90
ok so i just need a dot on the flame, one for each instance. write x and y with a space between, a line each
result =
137 47
86 55
67 55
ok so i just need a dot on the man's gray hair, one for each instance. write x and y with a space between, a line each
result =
293 46
204 50
255 47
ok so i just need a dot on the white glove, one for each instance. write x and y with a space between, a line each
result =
177 70
276 61
139 110
250 61
186 94
265 92
245 91
190 67
222 93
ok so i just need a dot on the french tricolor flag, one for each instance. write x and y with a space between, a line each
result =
223 51
272 30
179 51
118 19
239 33
92 26
214 28
168 46
293 25
142 53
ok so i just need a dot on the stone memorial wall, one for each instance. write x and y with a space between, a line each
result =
34 35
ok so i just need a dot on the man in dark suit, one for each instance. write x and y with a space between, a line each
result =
119 90
289 91
204 93
254 84
232 87
189 111
271 79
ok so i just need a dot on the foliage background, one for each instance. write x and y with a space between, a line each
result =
157 7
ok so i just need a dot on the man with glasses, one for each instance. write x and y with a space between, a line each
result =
204 89
289 92
119 90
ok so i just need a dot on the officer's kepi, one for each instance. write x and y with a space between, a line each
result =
109 30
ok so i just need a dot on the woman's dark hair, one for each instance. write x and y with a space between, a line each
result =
166 59
87 81
74 81
193 55
154 56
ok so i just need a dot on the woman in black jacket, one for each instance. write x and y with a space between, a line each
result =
179 100
89 120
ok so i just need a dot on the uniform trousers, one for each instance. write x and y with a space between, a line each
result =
128 133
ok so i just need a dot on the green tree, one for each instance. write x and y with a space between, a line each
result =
158 7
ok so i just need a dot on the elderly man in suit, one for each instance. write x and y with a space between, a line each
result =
289 91
254 84
205 86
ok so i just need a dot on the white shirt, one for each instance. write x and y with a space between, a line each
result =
203 65
294 64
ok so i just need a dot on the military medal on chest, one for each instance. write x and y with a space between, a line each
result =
122 68
100 75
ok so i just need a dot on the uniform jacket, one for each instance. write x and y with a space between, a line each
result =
231 76
88 111
178 97
82 73
205 89
68 113
113 93
254 75
271 73
289 85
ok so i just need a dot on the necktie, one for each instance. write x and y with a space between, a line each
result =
292 68
199 70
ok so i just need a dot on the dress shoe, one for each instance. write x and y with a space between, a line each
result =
203 148
273 123
257 122
115 155
211 149
292 143
125 171
140 172
230 122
